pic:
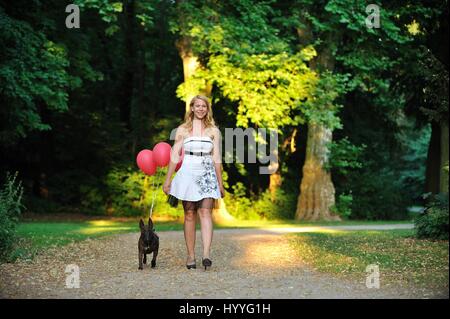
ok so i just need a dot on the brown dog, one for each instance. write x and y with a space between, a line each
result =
148 243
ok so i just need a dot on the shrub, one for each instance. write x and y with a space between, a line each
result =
10 210
343 206
433 222
126 191
238 204
279 206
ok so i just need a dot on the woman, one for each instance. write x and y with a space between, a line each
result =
198 182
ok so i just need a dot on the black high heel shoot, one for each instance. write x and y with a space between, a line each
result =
192 265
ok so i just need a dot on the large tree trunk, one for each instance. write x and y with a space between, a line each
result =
316 188
443 174
190 66
190 63
433 165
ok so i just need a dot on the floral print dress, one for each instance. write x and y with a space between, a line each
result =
196 179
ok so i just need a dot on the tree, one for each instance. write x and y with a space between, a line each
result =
350 56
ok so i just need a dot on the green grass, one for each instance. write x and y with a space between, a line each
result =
35 236
401 257
296 223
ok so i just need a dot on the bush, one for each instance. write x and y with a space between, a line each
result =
10 210
343 206
377 195
280 206
126 191
433 222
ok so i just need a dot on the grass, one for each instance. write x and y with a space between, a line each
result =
401 257
297 223
35 236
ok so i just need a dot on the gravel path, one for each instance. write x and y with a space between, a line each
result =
247 263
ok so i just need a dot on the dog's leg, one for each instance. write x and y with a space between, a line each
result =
145 258
155 254
140 260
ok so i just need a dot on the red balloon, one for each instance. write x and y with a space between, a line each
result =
161 154
145 161
181 160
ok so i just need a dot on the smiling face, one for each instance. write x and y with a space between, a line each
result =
200 109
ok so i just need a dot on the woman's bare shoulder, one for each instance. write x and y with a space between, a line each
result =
182 131
214 132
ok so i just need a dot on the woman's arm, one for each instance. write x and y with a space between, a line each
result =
174 159
217 158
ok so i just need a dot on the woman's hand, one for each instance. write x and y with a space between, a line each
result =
166 187
222 191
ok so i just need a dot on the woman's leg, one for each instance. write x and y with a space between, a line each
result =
206 225
189 230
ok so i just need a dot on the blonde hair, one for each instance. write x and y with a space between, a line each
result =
208 120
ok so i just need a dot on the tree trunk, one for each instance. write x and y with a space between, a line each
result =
274 183
316 188
443 173
433 160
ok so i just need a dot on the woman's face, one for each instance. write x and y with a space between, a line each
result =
200 109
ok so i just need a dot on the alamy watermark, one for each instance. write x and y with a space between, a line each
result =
73 19
373 18
373 277
73 277
262 146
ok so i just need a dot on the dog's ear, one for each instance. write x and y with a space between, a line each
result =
150 223
141 224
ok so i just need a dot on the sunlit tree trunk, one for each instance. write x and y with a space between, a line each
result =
316 188
190 65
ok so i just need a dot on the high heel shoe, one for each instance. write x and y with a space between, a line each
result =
206 262
191 266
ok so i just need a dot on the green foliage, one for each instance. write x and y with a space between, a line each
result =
10 209
238 204
344 156
435 95
126 191
33 76
280 205
322 107
378 196
277 82
343 206
239 26
433 222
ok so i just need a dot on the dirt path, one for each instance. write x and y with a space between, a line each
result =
247 263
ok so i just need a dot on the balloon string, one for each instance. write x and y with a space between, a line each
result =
153 190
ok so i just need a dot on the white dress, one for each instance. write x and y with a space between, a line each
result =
196 179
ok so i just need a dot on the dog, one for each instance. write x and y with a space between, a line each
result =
148 243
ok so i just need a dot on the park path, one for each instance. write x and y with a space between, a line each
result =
247 263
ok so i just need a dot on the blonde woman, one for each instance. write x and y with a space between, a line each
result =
198 182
